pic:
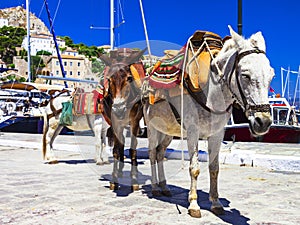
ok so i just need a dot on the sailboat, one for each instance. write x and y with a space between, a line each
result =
21 102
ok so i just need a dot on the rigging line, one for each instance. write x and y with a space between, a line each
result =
40 13
57 7
121 11
146 33
295 93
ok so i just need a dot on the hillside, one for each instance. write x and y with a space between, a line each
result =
16 17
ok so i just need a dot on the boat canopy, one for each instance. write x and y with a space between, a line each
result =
29 86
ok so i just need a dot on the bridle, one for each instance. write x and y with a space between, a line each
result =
251 108
134 91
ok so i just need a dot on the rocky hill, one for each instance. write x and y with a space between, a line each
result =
16 17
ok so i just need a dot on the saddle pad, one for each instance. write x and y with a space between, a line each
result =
138 73
166 73
66 118
198 69
87 103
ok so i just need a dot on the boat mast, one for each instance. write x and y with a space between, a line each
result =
112 21
240 17
28 40
55 43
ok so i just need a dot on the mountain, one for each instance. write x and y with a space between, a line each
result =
16 17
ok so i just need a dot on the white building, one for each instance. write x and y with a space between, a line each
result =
44 42
71 52
3 22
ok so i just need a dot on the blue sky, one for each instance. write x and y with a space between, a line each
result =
174 21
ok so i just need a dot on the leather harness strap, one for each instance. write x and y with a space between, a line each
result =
246 105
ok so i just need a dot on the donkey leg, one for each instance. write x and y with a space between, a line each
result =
154 181
104 129
133 154
118 154
153 140
192 140
98 141
53 131
214 144
134 171
114 184
160 166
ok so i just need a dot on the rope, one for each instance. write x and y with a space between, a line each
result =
146 33
212 56
181 102
54 17
185 64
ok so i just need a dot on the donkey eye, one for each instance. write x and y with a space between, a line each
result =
130 79
246 76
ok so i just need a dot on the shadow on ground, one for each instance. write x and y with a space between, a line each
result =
180 197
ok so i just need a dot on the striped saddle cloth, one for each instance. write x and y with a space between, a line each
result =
87 103
166 73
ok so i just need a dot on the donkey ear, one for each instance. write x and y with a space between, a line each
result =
238 39
135 57
257 40
106 59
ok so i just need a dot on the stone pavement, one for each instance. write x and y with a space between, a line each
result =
76 191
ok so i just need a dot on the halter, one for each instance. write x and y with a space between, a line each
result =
244 103
133 90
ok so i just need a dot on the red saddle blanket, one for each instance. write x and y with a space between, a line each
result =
166 73
87 103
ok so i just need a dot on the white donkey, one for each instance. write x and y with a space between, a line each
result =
52 128
241 73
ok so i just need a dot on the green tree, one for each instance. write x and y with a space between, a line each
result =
97 66
69 42
10 38
43 52
88 51
37 64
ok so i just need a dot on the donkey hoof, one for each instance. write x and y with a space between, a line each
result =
120 174
135 187
53 161
218 211
167 193
156 193
113 186
195 213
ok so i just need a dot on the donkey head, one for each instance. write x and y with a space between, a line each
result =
248 74
120 79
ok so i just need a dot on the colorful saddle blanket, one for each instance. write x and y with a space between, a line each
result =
87 103
166 73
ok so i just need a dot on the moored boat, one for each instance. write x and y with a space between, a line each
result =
285 127
21 106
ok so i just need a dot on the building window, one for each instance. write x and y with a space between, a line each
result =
78 64
65 63
57 63
71 73
57 72
78 73
71 63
